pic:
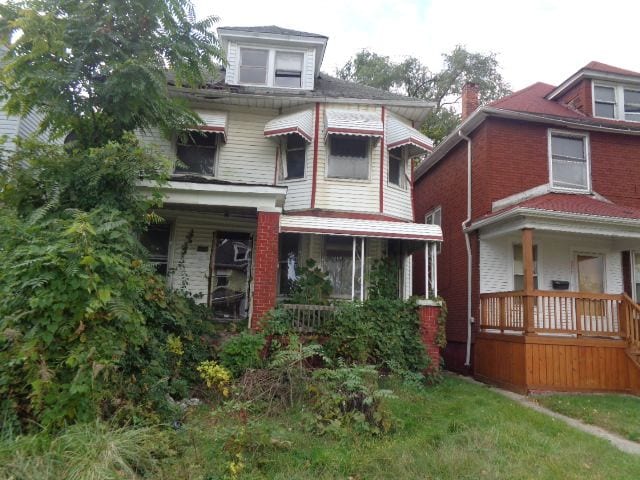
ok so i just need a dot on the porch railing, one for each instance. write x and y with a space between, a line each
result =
553 312
631 322
308 318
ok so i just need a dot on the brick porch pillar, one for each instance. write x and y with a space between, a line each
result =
265 262
428 310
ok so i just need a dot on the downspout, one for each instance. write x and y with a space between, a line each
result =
467 361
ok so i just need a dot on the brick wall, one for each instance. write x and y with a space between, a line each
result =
508 157
579 97
429 331
265 265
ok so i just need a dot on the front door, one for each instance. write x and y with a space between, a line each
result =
590 280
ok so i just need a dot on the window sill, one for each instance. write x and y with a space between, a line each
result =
347 180
393 186
581 191
293 180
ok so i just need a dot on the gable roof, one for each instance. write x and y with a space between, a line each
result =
274 30
532 99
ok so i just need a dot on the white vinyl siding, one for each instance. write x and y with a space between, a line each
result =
556 261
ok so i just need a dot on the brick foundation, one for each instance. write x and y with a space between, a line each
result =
265 258
429 313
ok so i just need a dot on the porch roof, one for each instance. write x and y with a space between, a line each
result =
359 228
297 122
570 210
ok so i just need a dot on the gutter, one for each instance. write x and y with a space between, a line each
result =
464 226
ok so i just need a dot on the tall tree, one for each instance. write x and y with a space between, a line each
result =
444 87
99 69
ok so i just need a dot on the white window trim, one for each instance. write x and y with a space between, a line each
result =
618 109
632 260
283 161
370 146
512 260
271 62
404 180
236 251
587 152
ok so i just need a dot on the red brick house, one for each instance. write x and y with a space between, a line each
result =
538 195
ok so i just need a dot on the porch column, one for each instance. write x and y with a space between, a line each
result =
265 262
527 261
426 270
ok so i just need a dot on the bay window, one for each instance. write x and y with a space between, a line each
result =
348 157
396 168
295 157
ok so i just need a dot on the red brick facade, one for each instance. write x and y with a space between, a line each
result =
265 265
429 331
579 97
508 157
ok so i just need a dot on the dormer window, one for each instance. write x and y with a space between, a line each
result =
271 67
253 66
288 71
617 102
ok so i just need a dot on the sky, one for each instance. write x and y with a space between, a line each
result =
536 40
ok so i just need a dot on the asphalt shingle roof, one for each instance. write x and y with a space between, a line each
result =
274 29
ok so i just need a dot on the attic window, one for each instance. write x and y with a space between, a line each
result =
605 101
253 66
616 101
288 71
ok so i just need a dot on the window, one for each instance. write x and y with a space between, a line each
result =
156 241
253 66
348 157
616 101
518 268
569 161
241 252
295 152
396 168
632 105
288 71
197 151
339 265
636 276
605 101
434 217
288 258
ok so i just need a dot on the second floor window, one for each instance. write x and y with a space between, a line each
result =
396 168
295 154
197 152
348 157
569 161
253 66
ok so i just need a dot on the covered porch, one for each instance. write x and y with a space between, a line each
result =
556 305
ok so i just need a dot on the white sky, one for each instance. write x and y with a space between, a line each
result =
536 40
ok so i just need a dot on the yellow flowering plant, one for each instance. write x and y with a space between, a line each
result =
215 376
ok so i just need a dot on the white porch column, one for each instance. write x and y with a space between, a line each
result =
426 270
434 268
407 290
362 269
353 270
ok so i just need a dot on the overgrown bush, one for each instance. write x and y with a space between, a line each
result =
242 352
84 320
348 397
381 332
312 285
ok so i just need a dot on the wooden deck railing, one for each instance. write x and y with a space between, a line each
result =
553 312
631 322
308 318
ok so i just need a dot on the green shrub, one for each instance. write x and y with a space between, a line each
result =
242 352
382 331
348 397
312 285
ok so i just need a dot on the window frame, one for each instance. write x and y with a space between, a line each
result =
403 169
587 153
329 156
619 93
284 152
267 65
216 155
635 279
271 65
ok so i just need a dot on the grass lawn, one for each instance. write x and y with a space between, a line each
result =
616 413
455 430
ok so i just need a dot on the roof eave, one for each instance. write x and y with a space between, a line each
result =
593 75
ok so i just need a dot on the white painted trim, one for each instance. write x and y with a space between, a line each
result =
520 197
619 100
594 75
632 266
586 141
425 302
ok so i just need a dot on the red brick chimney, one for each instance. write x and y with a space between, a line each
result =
470 99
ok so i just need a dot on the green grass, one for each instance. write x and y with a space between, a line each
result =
455 430
616 413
